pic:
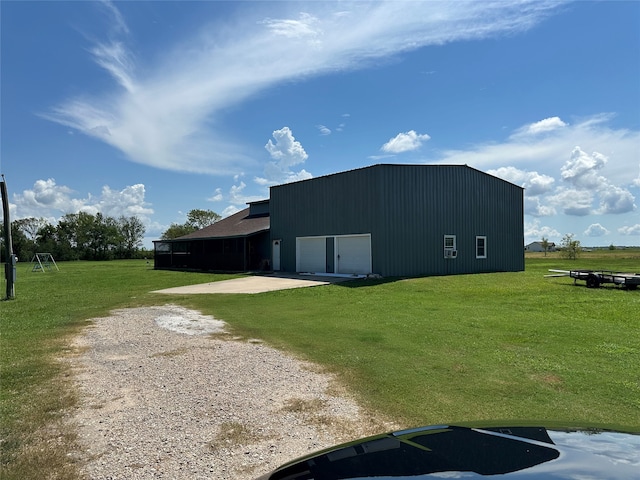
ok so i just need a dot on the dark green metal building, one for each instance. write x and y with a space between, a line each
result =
398 220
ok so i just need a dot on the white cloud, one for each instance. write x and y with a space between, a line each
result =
543 126
128 202
375 158
572 201
630 230
616 200
286 152
324 130
405 142
581 172
534 231
217 195
593 183
533 182
235 193
46 193
533 207
168 112
117 60
306 26
596 230
118 24
580 169
230 210
49 200
237 197
547 153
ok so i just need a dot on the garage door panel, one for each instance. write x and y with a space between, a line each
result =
311 255
354 254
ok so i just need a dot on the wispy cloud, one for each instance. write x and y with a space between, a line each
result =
324 130
170 114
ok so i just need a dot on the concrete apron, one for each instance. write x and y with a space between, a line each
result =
256 284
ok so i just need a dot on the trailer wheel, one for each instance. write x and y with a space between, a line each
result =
593 281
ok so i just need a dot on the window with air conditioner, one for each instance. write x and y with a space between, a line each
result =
450 250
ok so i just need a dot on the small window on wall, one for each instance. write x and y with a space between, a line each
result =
450 242
450 250
481 247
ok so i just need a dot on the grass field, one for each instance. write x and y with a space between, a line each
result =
505 346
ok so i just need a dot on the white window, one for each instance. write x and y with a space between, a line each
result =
450 250
481 247
450 242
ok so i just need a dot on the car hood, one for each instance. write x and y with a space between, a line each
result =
446 451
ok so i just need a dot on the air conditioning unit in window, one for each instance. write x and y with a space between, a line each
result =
450 253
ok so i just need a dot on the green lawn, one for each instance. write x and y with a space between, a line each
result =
470 347
507 346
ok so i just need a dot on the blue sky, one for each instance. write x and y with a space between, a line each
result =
156 108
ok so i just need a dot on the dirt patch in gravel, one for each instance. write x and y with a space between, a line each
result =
161 397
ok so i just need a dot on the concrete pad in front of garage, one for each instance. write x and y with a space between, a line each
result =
256 284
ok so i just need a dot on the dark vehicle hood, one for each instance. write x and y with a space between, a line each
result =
463 452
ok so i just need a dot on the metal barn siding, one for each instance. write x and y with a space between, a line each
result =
407 209
340 204
423 203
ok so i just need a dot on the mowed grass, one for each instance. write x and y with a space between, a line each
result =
499 347
502 346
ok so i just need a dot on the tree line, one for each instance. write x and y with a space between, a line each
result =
82 236
78 236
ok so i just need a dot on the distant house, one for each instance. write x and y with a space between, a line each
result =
392 220
537 247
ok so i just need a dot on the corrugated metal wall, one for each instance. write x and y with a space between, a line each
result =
407 209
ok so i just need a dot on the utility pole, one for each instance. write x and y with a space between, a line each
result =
10 265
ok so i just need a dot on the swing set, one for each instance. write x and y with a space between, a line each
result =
42 261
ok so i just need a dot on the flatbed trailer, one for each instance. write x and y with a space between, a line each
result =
595 278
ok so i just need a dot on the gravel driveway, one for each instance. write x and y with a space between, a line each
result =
166 393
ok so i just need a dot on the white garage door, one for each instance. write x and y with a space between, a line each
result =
311 254
353 254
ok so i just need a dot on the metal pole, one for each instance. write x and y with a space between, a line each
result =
10 265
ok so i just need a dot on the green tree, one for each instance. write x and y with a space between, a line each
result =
202 218
30 226
196 220
176 230
570 248
65 237
48 241
91 237
132 233
545 245
103 237
23 247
